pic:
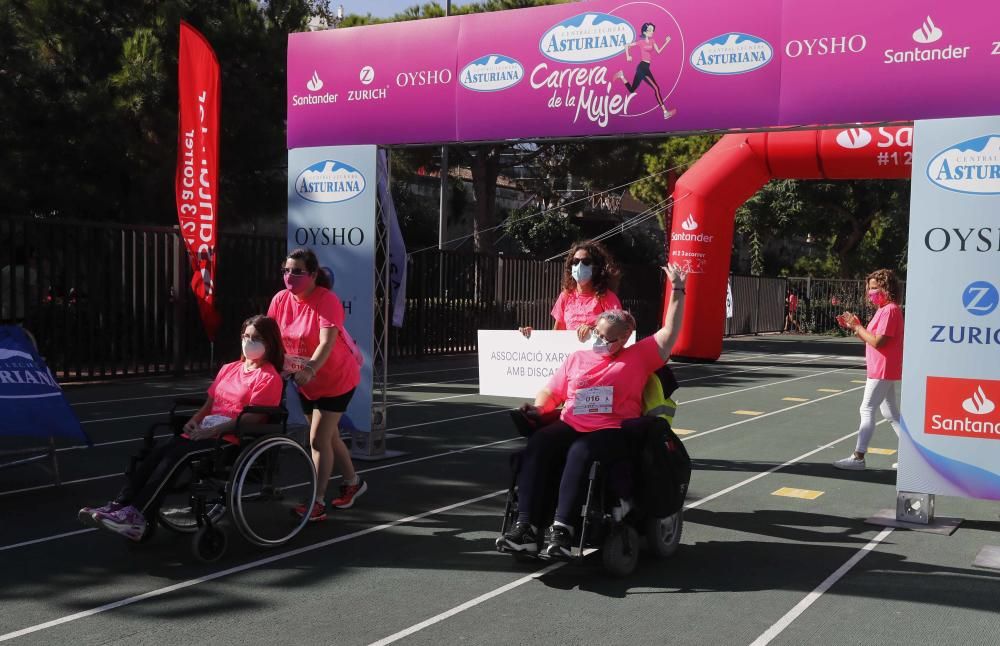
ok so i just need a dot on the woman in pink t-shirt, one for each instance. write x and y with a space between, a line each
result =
589 273
251 381
600 389
321 357
884 359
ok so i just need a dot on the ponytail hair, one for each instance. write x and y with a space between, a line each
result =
312 265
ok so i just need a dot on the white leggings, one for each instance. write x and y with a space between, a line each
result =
878 391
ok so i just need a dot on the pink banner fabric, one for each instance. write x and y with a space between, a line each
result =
613 67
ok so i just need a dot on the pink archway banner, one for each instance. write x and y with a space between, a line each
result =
597 69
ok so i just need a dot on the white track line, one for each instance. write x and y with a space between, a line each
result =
814 596
468 604
774 412
772 383
241 568
309 548
539 573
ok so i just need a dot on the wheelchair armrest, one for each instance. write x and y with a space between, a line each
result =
527 426
275 411
190 400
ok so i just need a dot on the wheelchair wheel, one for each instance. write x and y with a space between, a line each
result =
272 477
209 543
620 552
663 535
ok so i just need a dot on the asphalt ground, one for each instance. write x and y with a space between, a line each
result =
414 561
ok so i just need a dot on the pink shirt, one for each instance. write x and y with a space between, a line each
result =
235 388
886 362
574 309
646 49
625 375
300 323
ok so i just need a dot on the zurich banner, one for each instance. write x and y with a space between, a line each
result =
951 360
31 401
331 210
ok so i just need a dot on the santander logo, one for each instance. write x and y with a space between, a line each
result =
315 84
979 403
690 224
854 138
927 33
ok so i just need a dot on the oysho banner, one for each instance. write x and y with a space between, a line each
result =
331 210
951 360
608 67
512 366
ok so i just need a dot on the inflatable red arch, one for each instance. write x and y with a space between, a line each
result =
707 195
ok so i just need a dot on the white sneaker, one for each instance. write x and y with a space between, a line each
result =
850 463
895 465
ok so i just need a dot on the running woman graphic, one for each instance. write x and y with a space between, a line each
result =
646 46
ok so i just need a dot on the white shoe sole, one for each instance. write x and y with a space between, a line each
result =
361 491
849 467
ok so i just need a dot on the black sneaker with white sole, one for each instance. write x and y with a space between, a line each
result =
560 543
521 538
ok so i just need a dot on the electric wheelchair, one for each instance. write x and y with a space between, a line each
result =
619 506
254 485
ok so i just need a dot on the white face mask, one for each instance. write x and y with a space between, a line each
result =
601 347
253 350
582 273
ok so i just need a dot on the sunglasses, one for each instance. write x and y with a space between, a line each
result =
586 261
294 272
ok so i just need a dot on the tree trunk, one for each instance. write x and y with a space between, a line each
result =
485 171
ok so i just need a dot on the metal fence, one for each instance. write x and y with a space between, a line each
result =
109 300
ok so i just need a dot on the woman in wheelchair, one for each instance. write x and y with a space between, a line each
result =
600 389
251 381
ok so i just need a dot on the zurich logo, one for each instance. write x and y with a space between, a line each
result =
854 138
971 166
980 298
732 53
329 182
587 38
491 73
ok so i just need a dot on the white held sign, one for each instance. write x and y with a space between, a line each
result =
513 366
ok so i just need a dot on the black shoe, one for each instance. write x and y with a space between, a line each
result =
521 538
560 543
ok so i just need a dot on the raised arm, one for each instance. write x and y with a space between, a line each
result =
667 335
660 49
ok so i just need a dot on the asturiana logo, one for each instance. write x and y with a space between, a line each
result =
971 166
329 182
732 53
854 138
587 38
491 73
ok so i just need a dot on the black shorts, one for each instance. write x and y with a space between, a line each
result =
336 404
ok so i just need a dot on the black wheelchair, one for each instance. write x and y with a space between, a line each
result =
618 514
254 485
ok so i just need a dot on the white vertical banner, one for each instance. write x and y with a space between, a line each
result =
331 210
951 353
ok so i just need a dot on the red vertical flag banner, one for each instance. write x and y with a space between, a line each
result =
197 181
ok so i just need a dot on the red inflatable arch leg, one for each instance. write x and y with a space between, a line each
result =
707 195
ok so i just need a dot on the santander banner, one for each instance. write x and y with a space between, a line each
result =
197 181
609 67
951 357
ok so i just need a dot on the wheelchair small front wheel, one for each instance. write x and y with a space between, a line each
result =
209 543
620 552
663 535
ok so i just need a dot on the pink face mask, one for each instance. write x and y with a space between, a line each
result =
296 284
876 297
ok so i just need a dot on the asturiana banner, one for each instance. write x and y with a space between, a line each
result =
951 360
609 67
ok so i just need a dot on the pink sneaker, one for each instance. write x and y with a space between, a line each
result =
127 521
88 515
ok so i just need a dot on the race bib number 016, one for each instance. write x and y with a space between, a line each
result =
598 399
